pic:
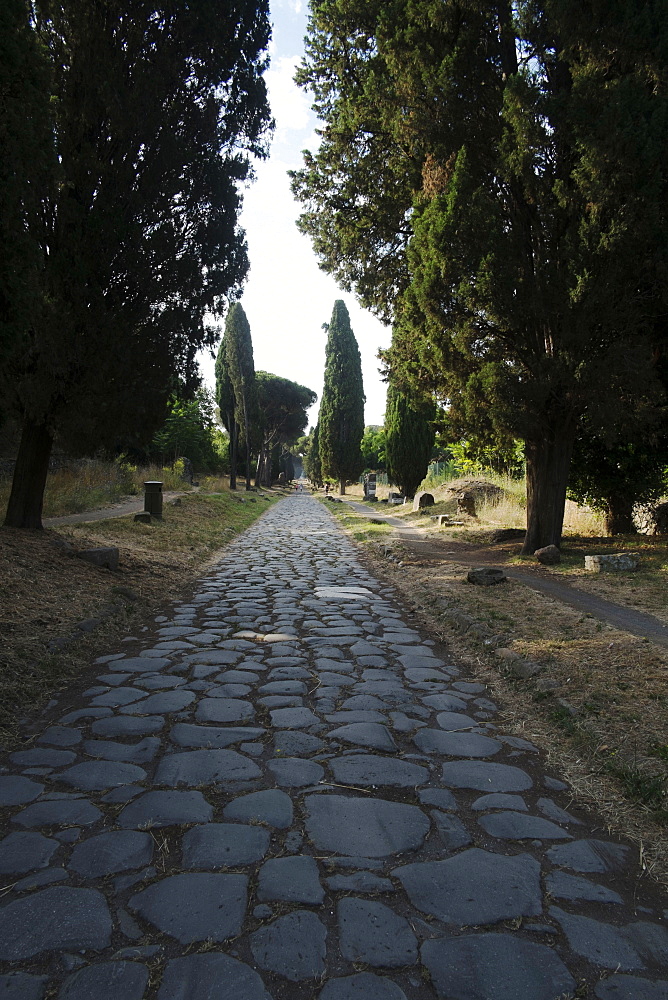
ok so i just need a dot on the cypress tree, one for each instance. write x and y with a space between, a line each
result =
241 369
312 463
341 416
409 439
227 406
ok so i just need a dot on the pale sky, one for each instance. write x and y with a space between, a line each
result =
287 297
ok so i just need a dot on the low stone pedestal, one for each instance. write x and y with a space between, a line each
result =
618 563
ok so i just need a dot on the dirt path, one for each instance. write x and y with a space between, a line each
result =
626 619
122 509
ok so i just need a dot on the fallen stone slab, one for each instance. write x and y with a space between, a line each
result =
104 556
292 946
199 977
108 980
368 827
621 562
194 907
502 966
55 919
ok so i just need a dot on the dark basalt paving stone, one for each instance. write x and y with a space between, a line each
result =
185 734
485 777
293 772
359 882
165 809
224 710
22 986
519 826
194 907
269 806
440 797
630 988
474 887
60 736
224 845
444 702
604 945
371 932
119 696
590 856
142 664
42 758
500 800
556 813
165 701
294 879
365 734
284 687
293 718
238 677
121 725
158 682
86 713
59 812
292 946
47 877
15 790
22 852
345 718
452 832
94 775
420 675
452 721
56 919
142 752
456 744
354 863
363 703
469 687
498 966
108 980
112 852
368 827
205 767
226 690
563 886
363 986
201 977
369 769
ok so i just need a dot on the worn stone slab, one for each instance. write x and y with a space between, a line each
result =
163 702
142 752
498 966
451 831
227 690
199 977
270 806
456 744
205 767
293 879
372 770
95 775
519 826
165 809
359 882
22 852
363 703
293 772
194 907
39 757
159 682
60 736
440 797
142 664
58 812
604 945
631 988
444 702
292 946
108 980
500 800
293 718
224 845
224 710
296 744
15 790
363 986
121 725
371 932
563 886
185 734
368 827
119 696
485 777
474 887
22 986
112 852
55 919
590 856
365 734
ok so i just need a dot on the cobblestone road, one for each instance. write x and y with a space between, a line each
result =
289 793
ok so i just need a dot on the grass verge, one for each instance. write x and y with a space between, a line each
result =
58 612
597 704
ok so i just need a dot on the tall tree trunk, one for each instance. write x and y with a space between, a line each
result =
234 443
619 516
342 487
24 509
548 461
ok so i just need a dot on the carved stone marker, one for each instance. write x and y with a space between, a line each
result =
153 499
423 499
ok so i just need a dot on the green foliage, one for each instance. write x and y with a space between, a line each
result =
341 418
282 407
241 375
188 432
312 462
492 179
410 438
373 447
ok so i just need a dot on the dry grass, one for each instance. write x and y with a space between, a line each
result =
598 707
45 593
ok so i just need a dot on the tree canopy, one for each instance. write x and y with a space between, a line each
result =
283 416
156 113
341 417
241 374
492 179
409 438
